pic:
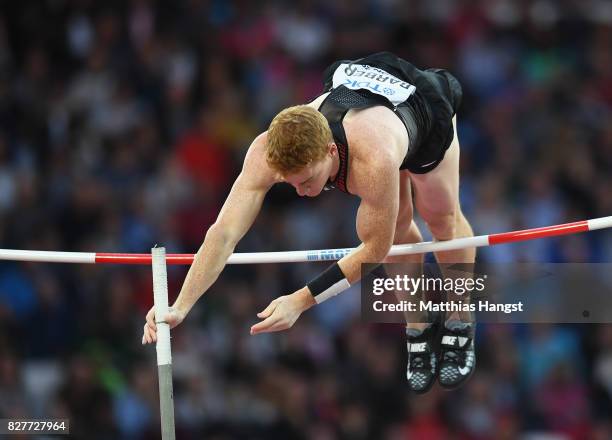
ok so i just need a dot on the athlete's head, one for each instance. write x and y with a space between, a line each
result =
300 147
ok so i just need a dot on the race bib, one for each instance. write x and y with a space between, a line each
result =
360 76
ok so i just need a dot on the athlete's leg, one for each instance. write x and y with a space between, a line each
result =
407 231
437 201
421 369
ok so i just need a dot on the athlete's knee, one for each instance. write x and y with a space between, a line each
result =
443 226
448 225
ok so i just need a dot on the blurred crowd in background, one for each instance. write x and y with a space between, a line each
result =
123 125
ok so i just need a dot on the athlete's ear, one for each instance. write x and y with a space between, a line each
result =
333 149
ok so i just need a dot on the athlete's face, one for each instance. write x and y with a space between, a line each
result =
311 180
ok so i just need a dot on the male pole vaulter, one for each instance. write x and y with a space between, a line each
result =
380 128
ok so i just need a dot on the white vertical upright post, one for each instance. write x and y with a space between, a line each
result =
164 354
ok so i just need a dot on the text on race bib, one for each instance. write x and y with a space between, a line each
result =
360 76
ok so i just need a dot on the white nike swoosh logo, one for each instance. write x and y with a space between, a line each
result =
408 374
464 371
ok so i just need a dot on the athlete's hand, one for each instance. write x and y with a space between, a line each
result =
174 317
282 312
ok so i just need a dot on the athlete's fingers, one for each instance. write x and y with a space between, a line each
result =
264 325
151 334
268 310
277 327
151 318
146 336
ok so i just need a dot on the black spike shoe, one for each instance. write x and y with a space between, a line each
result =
421 370
457 354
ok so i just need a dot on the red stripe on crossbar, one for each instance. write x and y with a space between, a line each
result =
547 231
142 258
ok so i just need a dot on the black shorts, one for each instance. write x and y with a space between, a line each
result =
428 112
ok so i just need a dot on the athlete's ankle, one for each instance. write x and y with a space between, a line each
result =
459 316
453 316
418 325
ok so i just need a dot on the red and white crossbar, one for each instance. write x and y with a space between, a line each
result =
312 255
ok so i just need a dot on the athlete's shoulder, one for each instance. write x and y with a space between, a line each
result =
255 166
257 149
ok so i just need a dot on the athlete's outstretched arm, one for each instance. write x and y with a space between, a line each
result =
375 227
234 220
